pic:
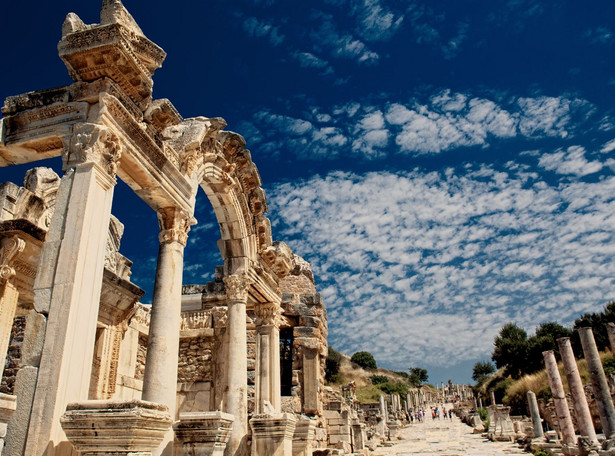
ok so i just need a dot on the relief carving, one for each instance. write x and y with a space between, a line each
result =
9 249
94 143
174 225
237 286
268 314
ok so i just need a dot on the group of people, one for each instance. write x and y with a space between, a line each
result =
436 412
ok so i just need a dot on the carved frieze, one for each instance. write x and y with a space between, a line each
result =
174 225
237 286
94 143
200 319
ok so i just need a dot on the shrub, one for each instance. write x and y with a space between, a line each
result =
608 363
364 359
332 367
379 379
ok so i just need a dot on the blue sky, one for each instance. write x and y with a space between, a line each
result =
446 167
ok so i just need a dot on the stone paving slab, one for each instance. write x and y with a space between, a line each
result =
445 438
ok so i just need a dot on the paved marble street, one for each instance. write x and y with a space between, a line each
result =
445 438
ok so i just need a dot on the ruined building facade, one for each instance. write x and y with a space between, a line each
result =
230 367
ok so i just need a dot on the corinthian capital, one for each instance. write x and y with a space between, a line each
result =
96 144
10 247
268 314
237 287
174 225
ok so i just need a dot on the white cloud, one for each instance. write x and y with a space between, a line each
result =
425 255
570 161
445 121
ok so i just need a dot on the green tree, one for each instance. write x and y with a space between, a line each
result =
364 359
418 375
596 321
511 349
332 366
482 370
545 339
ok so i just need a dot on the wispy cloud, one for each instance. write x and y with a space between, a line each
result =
457 253
259 28
570 161
443 122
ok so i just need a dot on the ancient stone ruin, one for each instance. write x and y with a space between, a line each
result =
234 366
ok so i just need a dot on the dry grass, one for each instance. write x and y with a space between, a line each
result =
366 391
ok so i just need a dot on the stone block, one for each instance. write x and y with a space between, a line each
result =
25 384
34 338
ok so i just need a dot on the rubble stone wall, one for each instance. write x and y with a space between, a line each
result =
13 356
195 360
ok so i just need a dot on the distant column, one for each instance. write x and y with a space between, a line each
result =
535 414
610 329
583 415
559 399
599 383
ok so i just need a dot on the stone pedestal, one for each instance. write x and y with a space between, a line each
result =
202 433
115 428
7 407
502 428
273 435
303 438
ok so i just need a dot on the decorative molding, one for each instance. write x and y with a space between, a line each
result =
237 286
96 144
10 247
268 314
174 225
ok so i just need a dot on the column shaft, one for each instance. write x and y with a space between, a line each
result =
559 399
599 383
535 414
583 415
236 401
8 305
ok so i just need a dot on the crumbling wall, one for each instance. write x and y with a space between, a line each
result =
13 356
195 360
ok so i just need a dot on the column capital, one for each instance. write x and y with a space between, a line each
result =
10 247
268 314
237 286
93 143
174 225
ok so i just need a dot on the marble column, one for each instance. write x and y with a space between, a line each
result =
160 377
599 384
559 399
267 383
236 400
67 289
583 415
535 414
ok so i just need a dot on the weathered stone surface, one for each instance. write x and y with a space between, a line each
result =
117 427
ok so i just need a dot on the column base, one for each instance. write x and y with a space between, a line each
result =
273 435
202 433
8 404
126 428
